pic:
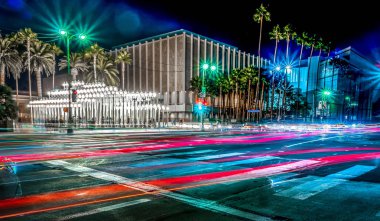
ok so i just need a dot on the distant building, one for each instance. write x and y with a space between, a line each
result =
336 89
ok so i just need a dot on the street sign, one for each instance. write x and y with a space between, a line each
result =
253 111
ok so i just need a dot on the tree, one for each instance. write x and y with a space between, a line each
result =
319 45
289 34
56 51
95 52
276 35
302 40
261 14
27 36
10 61
123 58
41 60
8 108
77 64
107 72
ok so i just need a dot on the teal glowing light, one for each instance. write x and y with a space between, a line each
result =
200 107
82 36
205 66
278 68
63 32
213 68
327 93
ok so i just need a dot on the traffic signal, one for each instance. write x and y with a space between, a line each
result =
74 95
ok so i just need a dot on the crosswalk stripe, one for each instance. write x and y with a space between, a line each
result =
158 162
186 153
313 187
104 209
196 202
215 156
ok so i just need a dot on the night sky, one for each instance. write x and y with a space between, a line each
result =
114 22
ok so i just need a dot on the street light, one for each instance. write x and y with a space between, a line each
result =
205 67
69 37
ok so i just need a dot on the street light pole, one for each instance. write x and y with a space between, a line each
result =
205 67
70 129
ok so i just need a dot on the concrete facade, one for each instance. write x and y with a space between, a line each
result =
166 63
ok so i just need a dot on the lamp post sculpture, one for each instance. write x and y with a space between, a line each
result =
69 37
202 95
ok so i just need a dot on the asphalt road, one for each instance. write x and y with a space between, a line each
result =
185 175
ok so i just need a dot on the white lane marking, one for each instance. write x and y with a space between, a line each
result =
104 209
187 153
199 203
311 141
215 156
270 171
313 187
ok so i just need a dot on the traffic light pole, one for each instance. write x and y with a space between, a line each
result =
203 95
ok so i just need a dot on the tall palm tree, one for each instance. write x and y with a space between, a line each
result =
95 52
276 35
77 64
289 34
123 57
319 45
261 15
56 51
10 61
41 60
107 72
302 40
27 36
312 41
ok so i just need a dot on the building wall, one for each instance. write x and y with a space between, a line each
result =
165 64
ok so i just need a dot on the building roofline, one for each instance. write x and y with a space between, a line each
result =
169 34
350 48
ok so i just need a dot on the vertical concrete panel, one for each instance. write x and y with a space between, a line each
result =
223 57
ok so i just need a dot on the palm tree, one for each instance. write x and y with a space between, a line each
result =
107 72
41 60
56 51
289 34
303 41
261 14
123 57
27 36
10 61
95 52
319 45
277 36
311 42
77 64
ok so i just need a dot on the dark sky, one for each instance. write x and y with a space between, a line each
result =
114 22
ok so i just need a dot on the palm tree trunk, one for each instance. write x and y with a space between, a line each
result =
39 85
312 50
248 99
272 103
94 67
122 72
29 74
259 63
287 48
2 75
53 71
275 52
220 102
17 91
299 79
262 100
